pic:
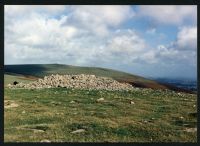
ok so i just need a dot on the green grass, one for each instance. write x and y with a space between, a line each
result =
9 79
47 69
156 116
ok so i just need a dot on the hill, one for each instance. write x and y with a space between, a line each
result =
34 71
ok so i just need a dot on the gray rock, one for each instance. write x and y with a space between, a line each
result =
100 99
45 140
78 131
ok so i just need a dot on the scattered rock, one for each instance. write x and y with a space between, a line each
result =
191 130
100 99
185 99
145 121
35 129
31 129
78 131
132 102
179 93
9 86
38 131
33 101
23 112
10 104
72 101
45 140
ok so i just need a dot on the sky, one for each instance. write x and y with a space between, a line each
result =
146 40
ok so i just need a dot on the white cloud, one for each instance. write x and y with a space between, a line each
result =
25 10
123 45
126 41
175 15
149 57
98 19
181 51
187 38
35 33
36 37
111 15
38 30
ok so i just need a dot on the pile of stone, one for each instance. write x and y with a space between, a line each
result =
81 81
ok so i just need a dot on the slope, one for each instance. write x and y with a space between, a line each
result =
34 71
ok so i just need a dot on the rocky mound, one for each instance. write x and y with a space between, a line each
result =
81 81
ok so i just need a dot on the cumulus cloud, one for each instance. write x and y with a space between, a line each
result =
74 34
35 35
170 14
93 36
98 19
124 45
126 42
187 38
183 50
24 10
149 57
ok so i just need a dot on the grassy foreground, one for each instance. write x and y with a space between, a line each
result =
52 114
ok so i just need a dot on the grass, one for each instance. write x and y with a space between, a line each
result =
156 116
9 79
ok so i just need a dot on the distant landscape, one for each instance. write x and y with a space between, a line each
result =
189 84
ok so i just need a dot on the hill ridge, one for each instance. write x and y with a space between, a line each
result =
41 70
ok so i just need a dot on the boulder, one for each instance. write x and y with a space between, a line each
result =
15 83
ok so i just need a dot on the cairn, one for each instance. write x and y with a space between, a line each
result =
81 81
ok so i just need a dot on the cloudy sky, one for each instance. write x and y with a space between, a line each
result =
151 41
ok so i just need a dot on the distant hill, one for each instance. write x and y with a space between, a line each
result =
34 71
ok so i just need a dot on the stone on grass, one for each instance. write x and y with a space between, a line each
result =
72 101
10 104
78 131
191 130
45 140
100 99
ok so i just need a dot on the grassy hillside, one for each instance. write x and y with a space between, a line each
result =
53 114
9 79
40 70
